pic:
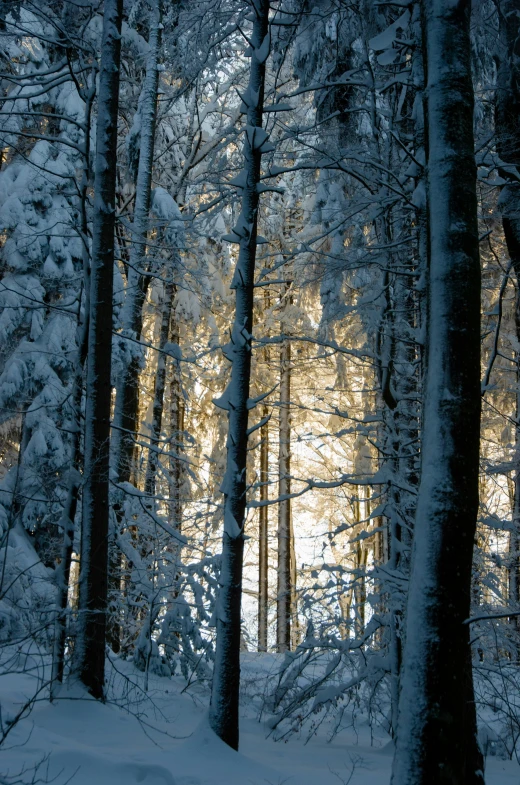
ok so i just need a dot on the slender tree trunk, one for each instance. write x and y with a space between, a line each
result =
295 622
177 409
436 740
223 714
67 519
514 535
263 543
396 541
143 649
177 414
360 593
507 125
403 442
95 521
359 573
284 591
126 411
160 386
71 504
263 528
127 394
344 596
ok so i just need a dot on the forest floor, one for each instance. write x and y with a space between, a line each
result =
162 738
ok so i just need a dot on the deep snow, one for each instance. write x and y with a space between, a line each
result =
164 739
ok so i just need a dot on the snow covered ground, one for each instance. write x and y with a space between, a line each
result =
163 739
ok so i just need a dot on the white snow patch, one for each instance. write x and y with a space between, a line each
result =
163 738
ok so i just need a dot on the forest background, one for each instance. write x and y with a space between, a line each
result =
218 292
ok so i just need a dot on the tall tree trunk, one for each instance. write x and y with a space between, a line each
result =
67 520
506 124
514 535
177 415
295 622
263 524
344 596
127 394
263 542
223 714
68 517
126 411
95 520
284 592
160 386
399 360
508 146
176 473
436 725
71 504
143 649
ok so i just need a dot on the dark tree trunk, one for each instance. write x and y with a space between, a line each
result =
263 542
514 535
436 733
95 524
126 410
295 622
284 593
158 400
71 504
223 714
127 397
67 519
176 446
507 125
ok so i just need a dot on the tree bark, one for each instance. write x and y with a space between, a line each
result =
95 521
508 147
263 542
68 521
126 411
223 714
158 400
295 622
514 535
436 740
177 413
284 591
127 395
71 504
